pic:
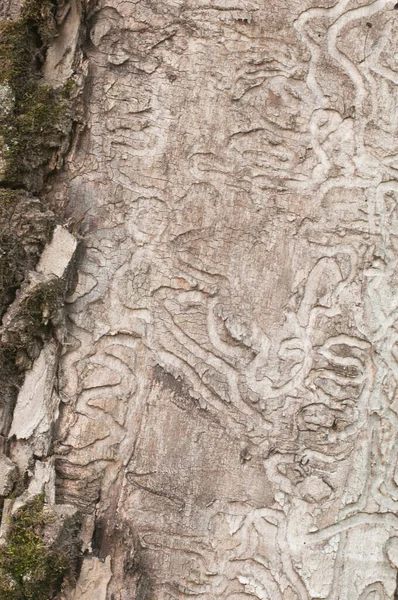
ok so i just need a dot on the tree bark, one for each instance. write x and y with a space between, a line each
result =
223 411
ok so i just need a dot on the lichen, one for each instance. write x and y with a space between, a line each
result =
29 568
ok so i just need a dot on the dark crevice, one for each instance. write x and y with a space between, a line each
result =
98 537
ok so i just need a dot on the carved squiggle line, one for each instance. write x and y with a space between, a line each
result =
212 360
236 423
380 207
265 387
348 65
370 63
359 520
299 24
346 182
71 359
287 563
226 350
278 519
260 581
338 569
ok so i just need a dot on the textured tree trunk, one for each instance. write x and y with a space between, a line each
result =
221 405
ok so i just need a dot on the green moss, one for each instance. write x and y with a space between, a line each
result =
39 116
44 303
7 197
23 42
39 15
20 485
12 257
29 569
30 137
35 312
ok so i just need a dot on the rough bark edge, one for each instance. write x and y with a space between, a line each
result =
36 124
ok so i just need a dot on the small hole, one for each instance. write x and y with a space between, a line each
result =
369 25
396 6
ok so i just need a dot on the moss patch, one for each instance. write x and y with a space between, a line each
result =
31 318
34 118
29 569
24 229
30 137
12 257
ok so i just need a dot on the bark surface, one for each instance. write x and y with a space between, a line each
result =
224 410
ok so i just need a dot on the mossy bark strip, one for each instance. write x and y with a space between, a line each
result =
36 121
32 564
